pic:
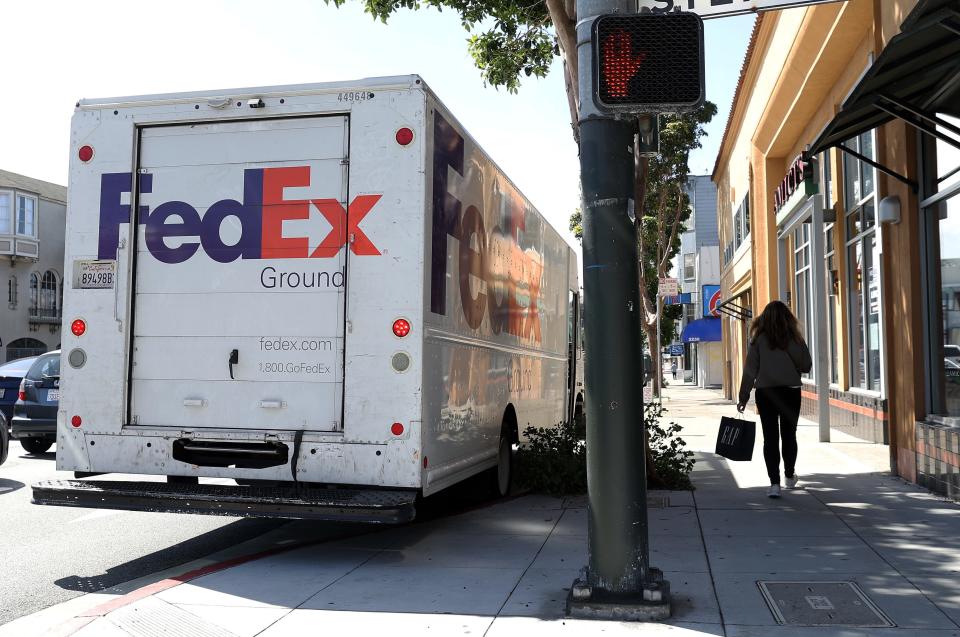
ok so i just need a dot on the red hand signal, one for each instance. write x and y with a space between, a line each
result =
619 63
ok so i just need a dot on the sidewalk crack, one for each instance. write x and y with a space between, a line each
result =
706 553
524 573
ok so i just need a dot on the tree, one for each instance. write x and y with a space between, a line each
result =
523 40
661 187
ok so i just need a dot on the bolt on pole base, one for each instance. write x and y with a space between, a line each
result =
651 604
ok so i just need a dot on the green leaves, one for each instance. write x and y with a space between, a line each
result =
576 224
516 39
672 460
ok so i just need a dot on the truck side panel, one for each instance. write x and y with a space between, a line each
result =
495 306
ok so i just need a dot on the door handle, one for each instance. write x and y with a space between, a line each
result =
234 359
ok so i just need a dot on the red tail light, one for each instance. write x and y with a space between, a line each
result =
22 393
78 327
396 429
404 136
76 421
85 153
401 327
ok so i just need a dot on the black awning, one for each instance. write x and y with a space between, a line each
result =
916 75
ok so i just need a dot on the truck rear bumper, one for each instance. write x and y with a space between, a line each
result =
348 505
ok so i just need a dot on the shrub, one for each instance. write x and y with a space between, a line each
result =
554 459
672 463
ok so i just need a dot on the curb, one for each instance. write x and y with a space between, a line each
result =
81 620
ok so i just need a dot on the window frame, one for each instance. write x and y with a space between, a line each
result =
932 197
691 267
867 238
11 226
802 240
36 214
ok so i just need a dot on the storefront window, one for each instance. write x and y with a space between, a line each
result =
829 252
863 277
944 212
831 286
803 305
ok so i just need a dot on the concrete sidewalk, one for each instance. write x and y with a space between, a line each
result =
505 569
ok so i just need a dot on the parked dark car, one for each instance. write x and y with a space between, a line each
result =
11 374
35 412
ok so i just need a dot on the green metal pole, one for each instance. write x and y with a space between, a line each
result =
616 468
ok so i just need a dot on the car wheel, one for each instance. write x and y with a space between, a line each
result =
4 440
35 445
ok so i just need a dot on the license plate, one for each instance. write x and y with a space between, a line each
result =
93 274
53 394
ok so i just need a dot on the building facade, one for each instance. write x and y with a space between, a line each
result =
837 180
32 218
698 268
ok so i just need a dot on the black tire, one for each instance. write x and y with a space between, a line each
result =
502 475
579 419
35 446
4 440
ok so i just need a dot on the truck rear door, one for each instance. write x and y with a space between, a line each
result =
239 275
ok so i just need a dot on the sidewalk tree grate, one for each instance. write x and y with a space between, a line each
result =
822 604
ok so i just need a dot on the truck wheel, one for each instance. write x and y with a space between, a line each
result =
35 445
503 472
579 420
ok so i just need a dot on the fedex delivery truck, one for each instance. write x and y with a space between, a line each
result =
312 301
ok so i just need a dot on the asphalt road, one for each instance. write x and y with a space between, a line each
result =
52 554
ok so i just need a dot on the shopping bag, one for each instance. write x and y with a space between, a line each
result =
735 438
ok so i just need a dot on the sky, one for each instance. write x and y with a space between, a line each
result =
57 52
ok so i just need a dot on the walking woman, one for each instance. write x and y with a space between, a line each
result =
776 358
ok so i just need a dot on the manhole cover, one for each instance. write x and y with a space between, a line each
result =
822 604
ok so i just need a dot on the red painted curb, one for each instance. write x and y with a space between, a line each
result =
78 622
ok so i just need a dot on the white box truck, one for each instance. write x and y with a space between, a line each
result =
327 297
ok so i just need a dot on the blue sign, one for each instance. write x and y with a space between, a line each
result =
680 299
711 300
676 349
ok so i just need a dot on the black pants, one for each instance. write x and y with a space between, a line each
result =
779 409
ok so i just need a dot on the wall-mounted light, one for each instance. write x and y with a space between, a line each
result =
889 211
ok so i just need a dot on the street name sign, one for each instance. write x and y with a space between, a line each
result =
707 9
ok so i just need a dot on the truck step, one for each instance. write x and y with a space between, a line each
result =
340 504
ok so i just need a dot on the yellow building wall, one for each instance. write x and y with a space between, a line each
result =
804 64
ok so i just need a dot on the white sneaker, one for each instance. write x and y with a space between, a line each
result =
773 491
792 482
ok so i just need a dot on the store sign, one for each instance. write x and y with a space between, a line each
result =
799 178
676 349
721 8
711 301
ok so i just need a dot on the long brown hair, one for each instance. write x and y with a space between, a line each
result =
778 323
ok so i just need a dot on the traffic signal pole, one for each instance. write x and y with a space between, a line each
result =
618 582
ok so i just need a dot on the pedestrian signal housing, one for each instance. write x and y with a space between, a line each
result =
648 63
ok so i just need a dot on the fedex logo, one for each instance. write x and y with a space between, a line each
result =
490 261
261 215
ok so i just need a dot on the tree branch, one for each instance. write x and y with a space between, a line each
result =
572 93
661 267
564 24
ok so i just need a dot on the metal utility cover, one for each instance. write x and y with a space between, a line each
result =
822 604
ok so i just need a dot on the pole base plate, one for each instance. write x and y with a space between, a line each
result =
652 604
